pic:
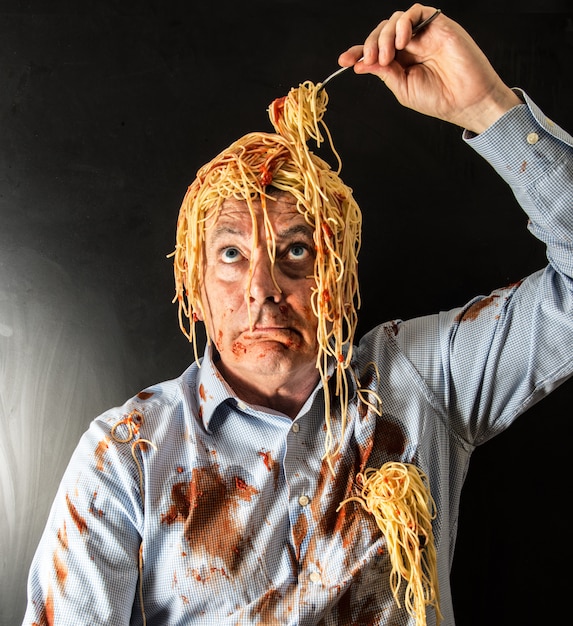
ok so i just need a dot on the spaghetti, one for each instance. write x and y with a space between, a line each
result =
250 169
398 497
133 422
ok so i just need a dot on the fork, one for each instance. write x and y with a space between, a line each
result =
415 31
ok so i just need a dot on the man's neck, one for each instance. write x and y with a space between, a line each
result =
287 397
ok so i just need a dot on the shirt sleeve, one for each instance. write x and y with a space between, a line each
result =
87 560
534 156
490 360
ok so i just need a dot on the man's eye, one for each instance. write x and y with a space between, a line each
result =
298 251
230 255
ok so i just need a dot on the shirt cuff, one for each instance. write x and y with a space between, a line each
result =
522 144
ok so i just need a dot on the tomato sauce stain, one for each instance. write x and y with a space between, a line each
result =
238 348
100 451
388 439
271 465
79 521
244 491
207 506
475 309
47 612
351 521
267 460
61 571
299 532
63 536
266 608
366 615
93 509
144 395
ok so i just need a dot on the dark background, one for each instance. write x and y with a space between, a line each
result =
107 109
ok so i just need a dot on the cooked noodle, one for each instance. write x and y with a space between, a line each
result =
133 423
398 496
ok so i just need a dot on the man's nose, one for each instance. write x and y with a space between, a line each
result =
262 284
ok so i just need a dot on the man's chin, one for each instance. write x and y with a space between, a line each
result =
276 354
266 348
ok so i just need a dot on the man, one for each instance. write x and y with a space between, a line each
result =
215 498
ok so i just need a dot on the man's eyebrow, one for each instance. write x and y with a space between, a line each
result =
287 233
226 229
297 229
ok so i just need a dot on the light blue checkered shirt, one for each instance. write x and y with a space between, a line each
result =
235 514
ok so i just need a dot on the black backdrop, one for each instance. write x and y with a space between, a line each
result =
107 108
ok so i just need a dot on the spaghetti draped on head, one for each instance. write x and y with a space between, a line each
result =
250 169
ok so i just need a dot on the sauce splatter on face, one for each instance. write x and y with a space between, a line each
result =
239 348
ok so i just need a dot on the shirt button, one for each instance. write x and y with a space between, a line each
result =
314 577
532 138
303 500
295 428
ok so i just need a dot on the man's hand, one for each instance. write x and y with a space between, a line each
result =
440 72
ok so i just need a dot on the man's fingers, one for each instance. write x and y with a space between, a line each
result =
351 56
408 22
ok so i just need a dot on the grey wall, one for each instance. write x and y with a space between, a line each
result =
106 111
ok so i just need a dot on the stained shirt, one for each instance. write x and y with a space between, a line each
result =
188 506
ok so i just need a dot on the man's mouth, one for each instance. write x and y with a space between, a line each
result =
268 332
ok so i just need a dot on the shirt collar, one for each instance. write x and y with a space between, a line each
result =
212 390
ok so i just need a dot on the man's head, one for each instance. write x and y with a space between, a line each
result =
261 174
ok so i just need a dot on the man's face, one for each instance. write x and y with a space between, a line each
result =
262 328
